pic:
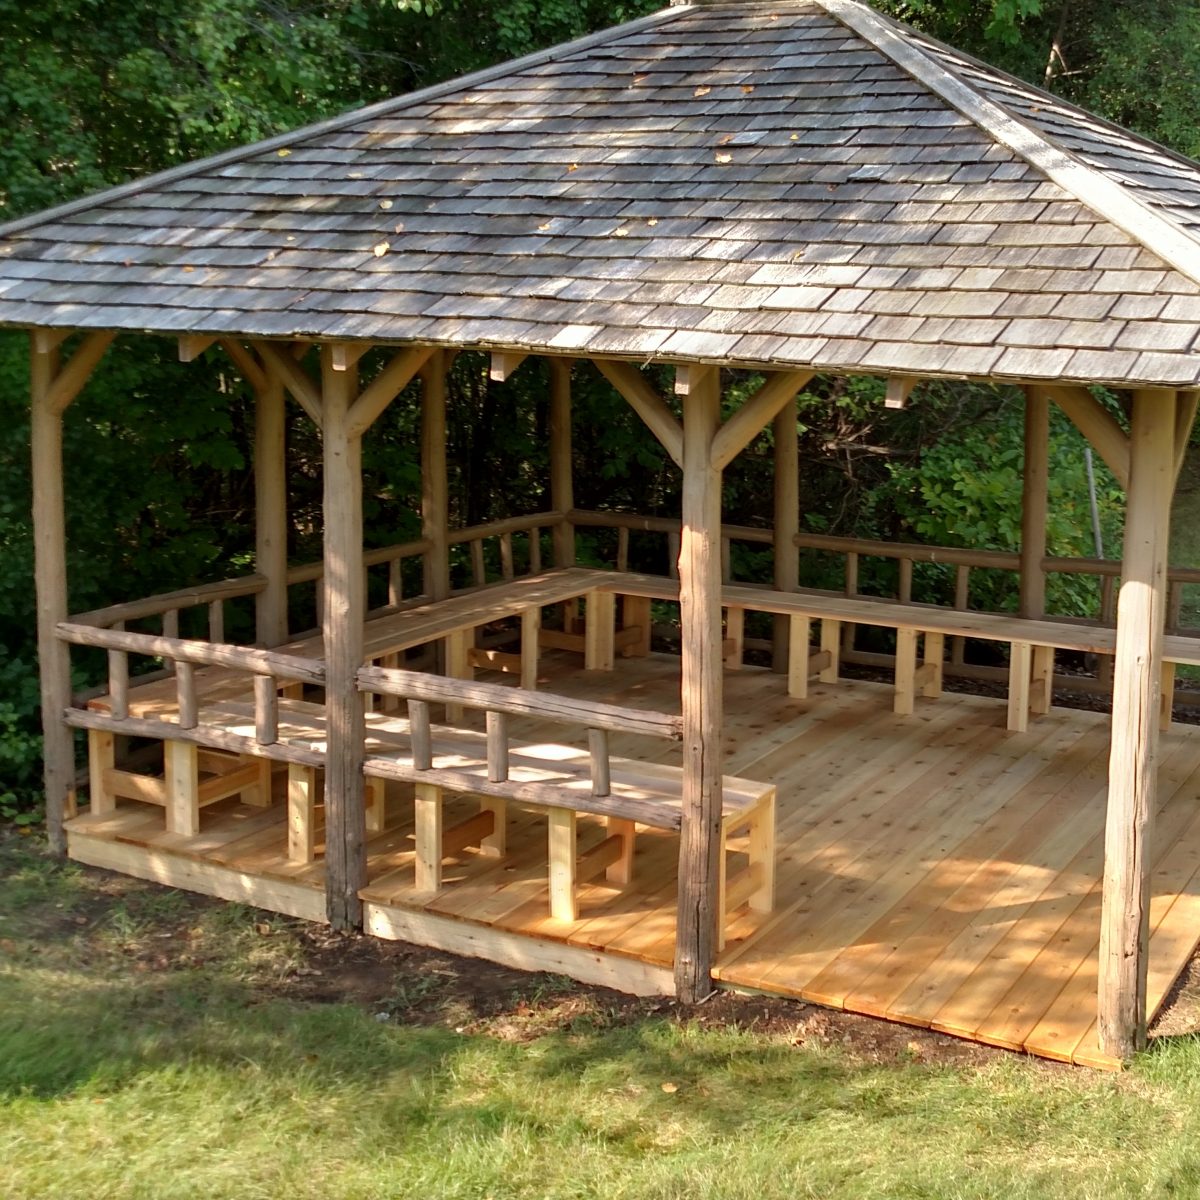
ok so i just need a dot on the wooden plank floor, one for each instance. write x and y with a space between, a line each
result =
933 869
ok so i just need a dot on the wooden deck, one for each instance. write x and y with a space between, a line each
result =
933 869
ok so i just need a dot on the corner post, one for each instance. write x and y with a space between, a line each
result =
787 523
342 626
562 487
700 614
270 511
50 575
1033 508
1132 770
435 488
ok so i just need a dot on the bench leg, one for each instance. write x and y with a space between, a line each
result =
1041 693
799 636
635 614
570 616
495 845
376 805
762 855
831 644
599 628
428 810
620 873
1167 702
259 793
531 624
183 788
102 756
302 812
934 657
564 905
458 665
906 670
735 635
1020 667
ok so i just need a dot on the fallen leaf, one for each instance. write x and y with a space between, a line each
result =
652 221
724 158
189 269
544 226
385 204
795 137
622 232
726 140
573 167
747 88
640 78
399 228
702 91
262 928
381 248
670 1087
284 153
291 237
355 175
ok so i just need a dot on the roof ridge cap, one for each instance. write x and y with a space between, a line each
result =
392 104
1112 201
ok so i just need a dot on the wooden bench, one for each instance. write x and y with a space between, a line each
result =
562 780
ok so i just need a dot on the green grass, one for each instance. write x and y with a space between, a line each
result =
149 1048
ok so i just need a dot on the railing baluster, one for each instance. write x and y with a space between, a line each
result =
395 583
320 585
850 628
1108 614
216 621
623 549
906 579
598 753
266 710
497 746
420 734
185 695
535 551
726 560
478 571
506 556
118 683
673 555
170 628
962 600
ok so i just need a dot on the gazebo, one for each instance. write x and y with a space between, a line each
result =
789 188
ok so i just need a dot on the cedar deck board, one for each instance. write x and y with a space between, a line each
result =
923 860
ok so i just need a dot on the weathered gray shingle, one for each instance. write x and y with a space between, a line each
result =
739 181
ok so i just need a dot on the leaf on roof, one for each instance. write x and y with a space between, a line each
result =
724 158
572 167
747 88
702 90
385 204
622 232
652 221
283 153
381 248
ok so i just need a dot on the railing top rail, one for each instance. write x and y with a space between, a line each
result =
217 654
152 606
491 697
507 525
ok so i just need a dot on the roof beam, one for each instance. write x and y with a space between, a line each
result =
246 363
296 379
504 363
344 355
1097 424
385 387
46 340
1185 418
1092 188
192 345
743 426
77 371
899 388
647 403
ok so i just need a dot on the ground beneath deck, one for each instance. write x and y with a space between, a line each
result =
933 869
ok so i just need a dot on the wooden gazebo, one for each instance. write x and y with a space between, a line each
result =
792 188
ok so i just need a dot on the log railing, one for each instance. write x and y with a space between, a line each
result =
498 703
269 673
529 528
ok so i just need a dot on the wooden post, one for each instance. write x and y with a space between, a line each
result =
270 512
1132 768
1034 498
51 390
787 523
700 620
342 625
435 490
562 485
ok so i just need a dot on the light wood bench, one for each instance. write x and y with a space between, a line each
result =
554 777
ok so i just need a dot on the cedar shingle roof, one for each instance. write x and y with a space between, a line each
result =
802 182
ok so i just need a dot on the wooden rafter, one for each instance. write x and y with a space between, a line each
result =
899 388
192 345
503 364
743 426
344 355
1096 424
246 363
77 370
1185 418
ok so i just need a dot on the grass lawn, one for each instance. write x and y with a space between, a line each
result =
158 1045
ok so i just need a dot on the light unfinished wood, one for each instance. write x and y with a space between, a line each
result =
1097 424
898 390
700 627
757 412
561 839
373 400
562 482
1133 767
192 345
301 813
599 630
1034 498
427 807
647 403
786 565
906 671
182 775
270 511
306 391
1020 668
435 488
101 759
503 364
